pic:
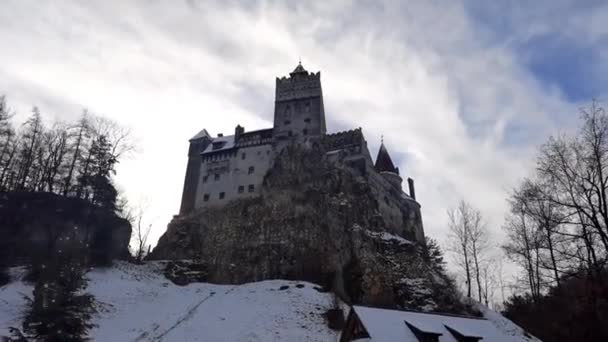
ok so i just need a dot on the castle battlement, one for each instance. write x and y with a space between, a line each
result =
300 84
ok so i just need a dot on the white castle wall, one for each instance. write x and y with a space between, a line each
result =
233 171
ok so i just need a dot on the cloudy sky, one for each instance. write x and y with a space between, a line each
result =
463 91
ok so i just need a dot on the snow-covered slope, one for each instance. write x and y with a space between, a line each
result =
136 303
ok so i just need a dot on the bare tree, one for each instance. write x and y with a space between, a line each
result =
31 137
79 133
141 231
459 224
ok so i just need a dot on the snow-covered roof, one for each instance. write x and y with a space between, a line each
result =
220 144
391 325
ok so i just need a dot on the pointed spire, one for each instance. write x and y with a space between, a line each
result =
384 161
299 69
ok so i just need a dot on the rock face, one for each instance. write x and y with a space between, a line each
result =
316 221
33 222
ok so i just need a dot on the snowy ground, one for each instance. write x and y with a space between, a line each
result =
136 303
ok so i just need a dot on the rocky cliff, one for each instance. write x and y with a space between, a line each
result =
316 221
31 224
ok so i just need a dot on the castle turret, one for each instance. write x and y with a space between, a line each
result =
198 144
384 165
298 108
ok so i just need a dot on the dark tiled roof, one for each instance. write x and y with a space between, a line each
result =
384 161
299 70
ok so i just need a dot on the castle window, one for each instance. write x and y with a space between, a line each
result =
251 168
206 197
307 120
287 111
216 176
289 134
205 179
287 122
250 188
241 189
222 195
307 107
305 131
243 155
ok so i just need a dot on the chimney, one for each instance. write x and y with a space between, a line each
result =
238 131
410 183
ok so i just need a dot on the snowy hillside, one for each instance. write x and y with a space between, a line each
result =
136 303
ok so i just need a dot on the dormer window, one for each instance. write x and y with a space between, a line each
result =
218 144
422 335
461 336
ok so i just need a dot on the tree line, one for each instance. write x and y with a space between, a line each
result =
75 159
556 233
558 222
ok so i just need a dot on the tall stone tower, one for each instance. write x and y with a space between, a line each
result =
298 107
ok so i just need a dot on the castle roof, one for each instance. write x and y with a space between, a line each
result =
393 325
384 161
200 134
299 70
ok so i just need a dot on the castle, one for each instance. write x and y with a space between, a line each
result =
228 167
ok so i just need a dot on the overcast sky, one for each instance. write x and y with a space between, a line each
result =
463 92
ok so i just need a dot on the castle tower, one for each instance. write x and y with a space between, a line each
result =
384 165
298 107
198 144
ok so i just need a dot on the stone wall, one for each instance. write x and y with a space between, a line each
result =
233 169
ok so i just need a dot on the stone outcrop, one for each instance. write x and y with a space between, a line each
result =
31 223
317 221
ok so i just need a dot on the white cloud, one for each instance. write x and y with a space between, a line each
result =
462 117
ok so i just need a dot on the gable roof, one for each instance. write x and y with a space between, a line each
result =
385 325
